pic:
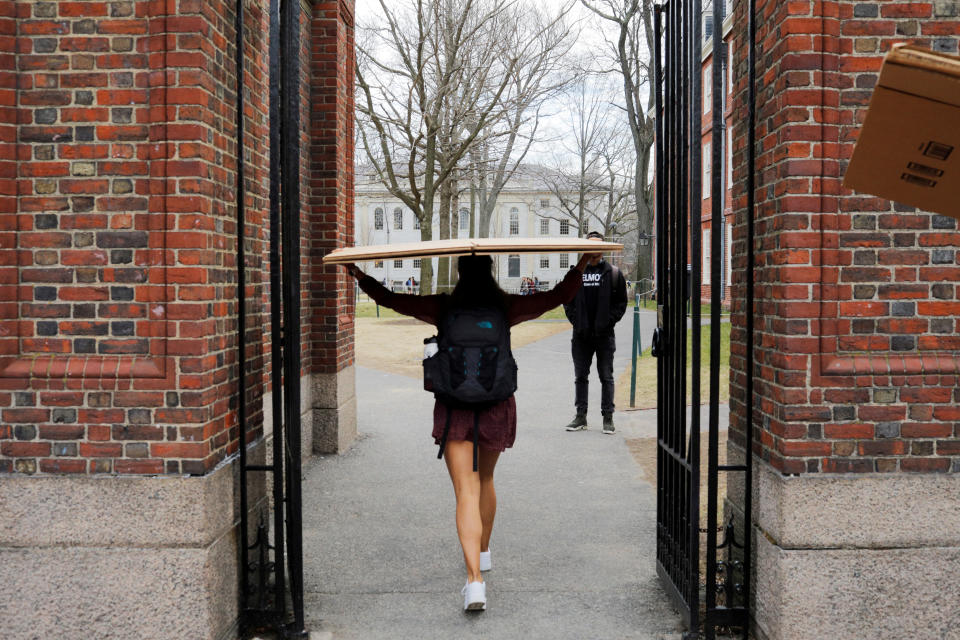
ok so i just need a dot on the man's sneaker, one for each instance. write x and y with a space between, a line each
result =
608 423
485 562
474 596
579 423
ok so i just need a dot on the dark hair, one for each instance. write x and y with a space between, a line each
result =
595 234
476 286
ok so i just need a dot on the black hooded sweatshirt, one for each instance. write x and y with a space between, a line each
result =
600 303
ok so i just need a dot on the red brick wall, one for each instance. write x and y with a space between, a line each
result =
117 261
8 166
330 116
857 358
257 211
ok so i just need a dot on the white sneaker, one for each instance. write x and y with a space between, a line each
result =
474 596
485 562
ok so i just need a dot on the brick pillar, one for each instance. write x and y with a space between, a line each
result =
118 308
329 291
857 431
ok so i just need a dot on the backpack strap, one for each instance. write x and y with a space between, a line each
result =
446 431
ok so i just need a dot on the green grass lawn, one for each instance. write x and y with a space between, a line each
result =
369 310
651 305
646 392
705 311
648 304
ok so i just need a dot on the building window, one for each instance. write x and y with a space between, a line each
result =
378 264
729 157
707 88
706 256
730 68
417 263
514 222
416 222
564 227
378 219
544 262
398 218
464 219
513 266
544 226
728 232
564 260
707 158
544 204
398 264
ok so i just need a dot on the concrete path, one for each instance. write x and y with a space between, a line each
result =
573 546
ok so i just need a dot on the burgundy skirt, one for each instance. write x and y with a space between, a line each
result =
498 424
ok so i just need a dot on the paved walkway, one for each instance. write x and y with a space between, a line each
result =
573 546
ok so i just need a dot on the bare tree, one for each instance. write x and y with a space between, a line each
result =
633 52
413 88
540 42
576 179
619 213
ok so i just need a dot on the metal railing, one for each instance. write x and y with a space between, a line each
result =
637 346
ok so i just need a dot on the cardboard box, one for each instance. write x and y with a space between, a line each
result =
909 147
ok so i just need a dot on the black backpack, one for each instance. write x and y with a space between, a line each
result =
473 367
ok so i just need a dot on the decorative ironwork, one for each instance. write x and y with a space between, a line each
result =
724 599
728 570
262 592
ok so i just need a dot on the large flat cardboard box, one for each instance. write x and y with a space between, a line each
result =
909 147
467 246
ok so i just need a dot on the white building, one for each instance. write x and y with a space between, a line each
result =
525 209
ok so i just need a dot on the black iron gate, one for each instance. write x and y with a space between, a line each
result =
722 601
271 565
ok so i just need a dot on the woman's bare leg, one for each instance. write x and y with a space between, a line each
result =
488 496
466 486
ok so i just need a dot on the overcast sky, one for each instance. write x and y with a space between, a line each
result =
590 40
589 37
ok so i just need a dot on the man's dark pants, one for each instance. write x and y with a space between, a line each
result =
584 347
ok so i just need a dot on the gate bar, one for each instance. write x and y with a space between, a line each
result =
290 195
712 617
751 212
278 393
679 128
731 467
694 232
661 239
679 457
677 424
674 153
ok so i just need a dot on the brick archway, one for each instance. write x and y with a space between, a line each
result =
118 349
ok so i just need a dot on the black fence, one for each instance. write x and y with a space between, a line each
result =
271 566
718 598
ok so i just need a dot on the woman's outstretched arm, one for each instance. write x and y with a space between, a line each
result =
523 308
425 308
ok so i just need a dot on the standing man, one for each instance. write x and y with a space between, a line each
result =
597 307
